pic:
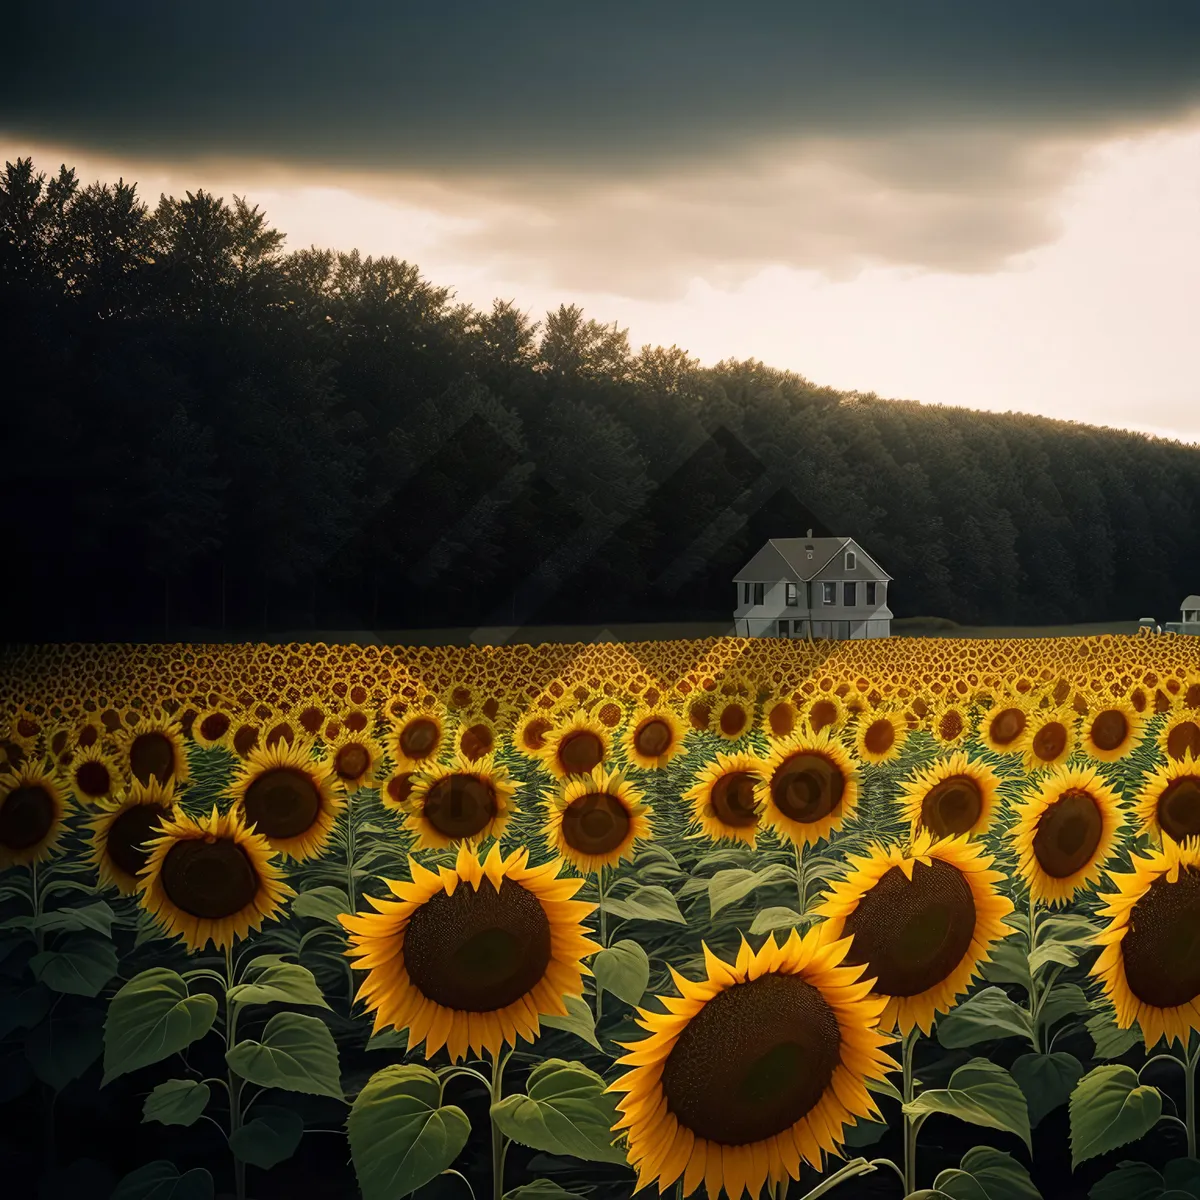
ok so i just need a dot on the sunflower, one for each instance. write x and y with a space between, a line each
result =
608 711
826 712
732 716
653 737
210 879
700 713
353 759
472 957
212 726
575 746
780 716
807 787
459 695
1003 725
880 736
93 775
593 820
529 733
950 724
723 799
154 747
1065 833
923 920
415 739
1180 736
756 1069
464 801
121 831
1168 803
1049 738
243 736
477 736
397 790
953 796
288 797
1111 730
33 815
1150 961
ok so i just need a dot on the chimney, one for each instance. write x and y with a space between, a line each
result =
809 533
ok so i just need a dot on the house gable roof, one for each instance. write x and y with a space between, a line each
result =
1190 602
787 558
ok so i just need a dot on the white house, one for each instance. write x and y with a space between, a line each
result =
818 587
1189 611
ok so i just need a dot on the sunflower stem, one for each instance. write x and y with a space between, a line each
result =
235 1083
499 1059
39 933
1034 1002
1190 1059
911 1123
801 878
351 893
603 938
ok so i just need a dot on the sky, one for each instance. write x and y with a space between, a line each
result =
993 205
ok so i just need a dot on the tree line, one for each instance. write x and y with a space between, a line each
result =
203 433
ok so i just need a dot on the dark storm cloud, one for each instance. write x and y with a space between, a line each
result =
630 86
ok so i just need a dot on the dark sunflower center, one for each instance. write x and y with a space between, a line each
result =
128 834
782 719
210 878
1184 739
1178 808
351 762
652 738
952 806
419 737
699 714
282 803
491 708
152 755
1109 729
912 935
1161 948
26 817
608 714
310 719
1007 725
1192 696
245 739
88 736
579 751
282 732
596 823
478 951
214 726
733 799
950 725
1068 833
880 737
807 788
356 722
460 806
534 734
476 741
822 713
92 778
753 1061
733 719
400 787
1050 741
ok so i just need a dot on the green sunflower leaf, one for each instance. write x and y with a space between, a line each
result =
322 903
1008 964
982 1093
1109 1108
1110 1041
285 982
1130 1181
1047 1081
624 970
728 887
647 904
579 1020
176 1102
541 1189
162 1181
987 1174
401 1135
60 1049
566 1111
150 1019
80 965
297 1053
769 920
1065 1000
986 1016
269 1137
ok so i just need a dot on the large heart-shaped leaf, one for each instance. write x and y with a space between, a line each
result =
624 970
160 1180
151 1018
61 1048
270 1137
986 1016
297 1053
1047 1081
566 1111
176 1102
651 903
579 1020
1008 963
1110 1041
401 1135
1130 1181
1109 1108
768 920
278 982
728 887
980 1092
322 903
80 965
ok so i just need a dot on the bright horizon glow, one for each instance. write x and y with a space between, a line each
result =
1096 326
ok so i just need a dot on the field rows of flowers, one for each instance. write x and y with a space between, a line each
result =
721 916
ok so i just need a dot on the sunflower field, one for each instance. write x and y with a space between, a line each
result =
893 918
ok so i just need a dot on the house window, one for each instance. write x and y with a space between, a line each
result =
849 594
798 628
850 560
791 597
783 629
829 593
758 592
871 593
745 593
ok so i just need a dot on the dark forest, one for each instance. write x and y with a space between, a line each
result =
205 435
